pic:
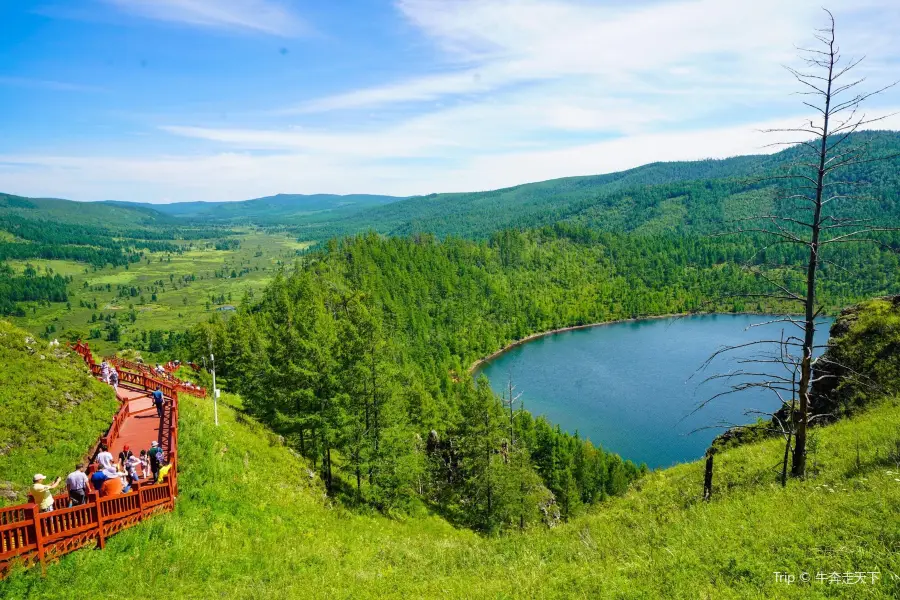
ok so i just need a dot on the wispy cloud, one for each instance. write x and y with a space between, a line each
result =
48 84
492 44
521 90
241 175
263 16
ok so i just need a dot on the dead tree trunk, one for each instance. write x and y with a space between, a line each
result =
708 475
806 217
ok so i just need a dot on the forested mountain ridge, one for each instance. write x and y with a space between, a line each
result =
687 196
699 196
280 209
81 213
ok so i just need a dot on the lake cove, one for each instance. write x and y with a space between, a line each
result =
632 387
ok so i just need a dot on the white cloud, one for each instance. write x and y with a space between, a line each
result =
720 44
264 16
498 43
238 176
525 90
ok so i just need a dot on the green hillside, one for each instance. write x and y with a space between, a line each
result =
51 411
81 213
688 196
281 209
685 197
251 522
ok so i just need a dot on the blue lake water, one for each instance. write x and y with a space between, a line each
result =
629 387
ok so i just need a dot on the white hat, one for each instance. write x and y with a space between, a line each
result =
153 444
39 477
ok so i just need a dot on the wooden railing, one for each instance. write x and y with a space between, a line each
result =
151 377
28 536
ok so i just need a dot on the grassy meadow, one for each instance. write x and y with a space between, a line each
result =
252 522
181 300
51 411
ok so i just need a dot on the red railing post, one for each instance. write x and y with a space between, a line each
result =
38 536
136 486
101 537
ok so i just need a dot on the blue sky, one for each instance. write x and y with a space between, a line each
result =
177 100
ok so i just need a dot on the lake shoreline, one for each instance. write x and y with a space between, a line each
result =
483 361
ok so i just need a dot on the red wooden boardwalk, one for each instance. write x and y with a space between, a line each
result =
28 536
141 426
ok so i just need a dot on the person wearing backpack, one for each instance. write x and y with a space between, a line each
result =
156 459
158 401
124 455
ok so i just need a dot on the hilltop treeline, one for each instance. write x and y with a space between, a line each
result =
116 245
360 356
697 197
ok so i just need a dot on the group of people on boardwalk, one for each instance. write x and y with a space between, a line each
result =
109 374
110 476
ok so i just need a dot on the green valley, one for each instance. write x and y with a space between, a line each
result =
252 522
602 300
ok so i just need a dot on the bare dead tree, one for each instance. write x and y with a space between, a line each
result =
809 217
708 474
509 400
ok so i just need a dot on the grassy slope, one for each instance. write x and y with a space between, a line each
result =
51 411
251 523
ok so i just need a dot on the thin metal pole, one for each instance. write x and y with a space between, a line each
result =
215 390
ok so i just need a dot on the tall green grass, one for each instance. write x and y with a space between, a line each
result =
51 411
252 522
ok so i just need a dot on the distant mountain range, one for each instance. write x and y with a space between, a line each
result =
671 196
266 210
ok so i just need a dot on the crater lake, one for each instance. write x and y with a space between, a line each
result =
634 387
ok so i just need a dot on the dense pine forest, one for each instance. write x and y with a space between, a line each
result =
367 346
28 287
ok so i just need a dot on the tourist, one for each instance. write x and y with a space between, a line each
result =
131 465
156 458
163 471
114 484
98 479
145 464
104 371
124 455
78 486
158 400
41 493
114 378
104 458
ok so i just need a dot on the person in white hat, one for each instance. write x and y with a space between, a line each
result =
42 494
